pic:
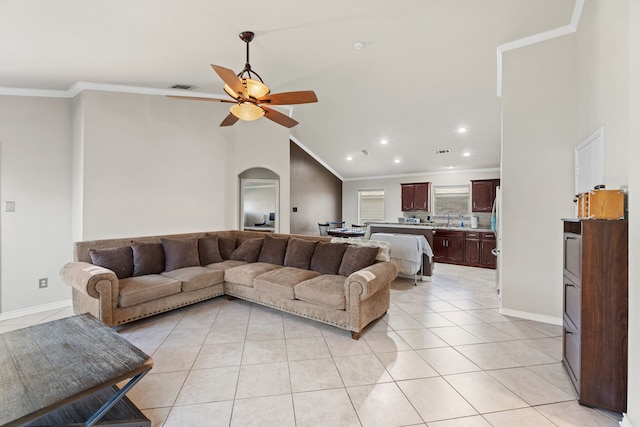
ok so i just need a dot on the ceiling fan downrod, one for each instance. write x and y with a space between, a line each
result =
247 37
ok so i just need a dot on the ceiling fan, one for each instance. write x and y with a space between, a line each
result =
251 96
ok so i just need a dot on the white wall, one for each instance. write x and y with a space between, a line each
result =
35 172
632 418
603 82
392 190
151 165
538 136
262 143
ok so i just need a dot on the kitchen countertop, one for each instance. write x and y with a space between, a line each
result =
431 227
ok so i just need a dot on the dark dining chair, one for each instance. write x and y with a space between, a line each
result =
323 228
336 224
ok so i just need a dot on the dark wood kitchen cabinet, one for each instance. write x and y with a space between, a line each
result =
416 196
448 246
483 193
478 247
595 317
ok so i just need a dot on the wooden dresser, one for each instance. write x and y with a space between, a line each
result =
595 311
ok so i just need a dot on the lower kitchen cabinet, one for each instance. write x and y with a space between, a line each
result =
448 246
472 248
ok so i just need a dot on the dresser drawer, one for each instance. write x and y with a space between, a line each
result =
572 352
573 302
573 255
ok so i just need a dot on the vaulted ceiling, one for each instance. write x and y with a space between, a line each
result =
426 68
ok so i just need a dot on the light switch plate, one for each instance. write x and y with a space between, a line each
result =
9 206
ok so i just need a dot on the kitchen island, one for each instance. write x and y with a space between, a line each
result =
451 245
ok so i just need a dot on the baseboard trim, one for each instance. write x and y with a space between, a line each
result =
626 422
35 310
532 316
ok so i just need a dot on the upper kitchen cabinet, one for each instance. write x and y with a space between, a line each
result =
483 193
415 197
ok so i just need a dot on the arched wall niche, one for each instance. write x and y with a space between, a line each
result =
259 200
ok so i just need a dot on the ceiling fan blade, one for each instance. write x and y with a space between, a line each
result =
198 98
278 117
230 79
229 120
290 98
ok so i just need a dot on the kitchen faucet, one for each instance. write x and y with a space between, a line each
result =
448 219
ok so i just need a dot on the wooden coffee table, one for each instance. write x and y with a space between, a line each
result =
65 372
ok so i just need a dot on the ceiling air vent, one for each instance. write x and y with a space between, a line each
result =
183 87
443 151
365 152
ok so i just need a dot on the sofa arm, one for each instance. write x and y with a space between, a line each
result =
373 278
91 280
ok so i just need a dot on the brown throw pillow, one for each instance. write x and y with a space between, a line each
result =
180 253
299 253
327 257
148 258
209 250
248 251
273 249
118 260
356 258
227 245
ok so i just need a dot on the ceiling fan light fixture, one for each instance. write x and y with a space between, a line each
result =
255 88
246 111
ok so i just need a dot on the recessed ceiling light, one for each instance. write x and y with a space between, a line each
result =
462 130
451 167
396 161
384 142
466 154
349 158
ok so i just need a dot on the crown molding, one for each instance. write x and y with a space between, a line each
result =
572 27
410 175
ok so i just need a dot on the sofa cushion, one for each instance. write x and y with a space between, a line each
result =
244 274
282 280
299 253
327 257
209 250
194 278
248 251
118 260
180 253
148 258
227 245
326 290
356 258
273 249
225 265
137 290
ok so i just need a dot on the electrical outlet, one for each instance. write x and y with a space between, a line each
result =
43 283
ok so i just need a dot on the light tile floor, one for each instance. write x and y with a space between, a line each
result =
443 356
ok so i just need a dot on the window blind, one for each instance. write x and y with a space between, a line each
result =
371 206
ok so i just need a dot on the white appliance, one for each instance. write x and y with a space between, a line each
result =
496 226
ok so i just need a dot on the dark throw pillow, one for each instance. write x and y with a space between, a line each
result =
209 250
248 251
327 257
356 258
148 258
227 245
118 260
273 249
299 253
180 253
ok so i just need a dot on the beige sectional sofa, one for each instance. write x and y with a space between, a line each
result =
125 279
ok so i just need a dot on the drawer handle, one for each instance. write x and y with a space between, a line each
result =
568 332
568 284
